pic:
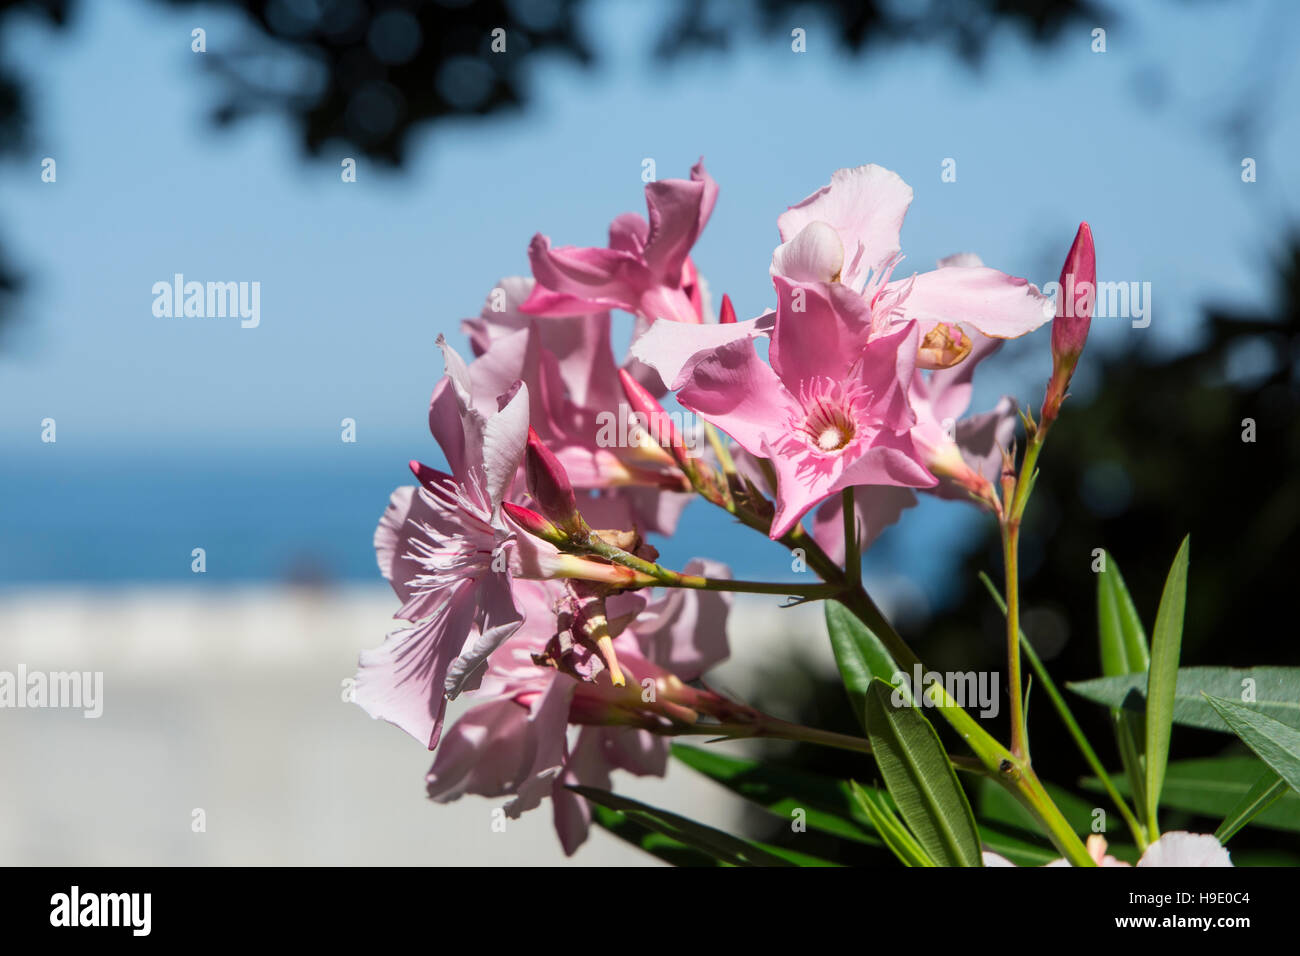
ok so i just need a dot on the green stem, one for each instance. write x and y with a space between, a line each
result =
720 449
1072 725
1010 771
675 579
852 555
1015 683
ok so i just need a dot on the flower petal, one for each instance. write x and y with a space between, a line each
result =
815 254
865 206
993 302
679 210
734 389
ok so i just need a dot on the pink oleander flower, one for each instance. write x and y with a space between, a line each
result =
645 270
444 548
515 743
963 453
848 233
576 401
1176 848
830 411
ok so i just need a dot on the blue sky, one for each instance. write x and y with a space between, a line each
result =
359 279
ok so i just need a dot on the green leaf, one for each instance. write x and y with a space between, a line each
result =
891 829
1213 787
1162 679
1273 742
921 780
1274 691
1267 790
723 847
1123 651
1123 641
828 804
859 654
656 844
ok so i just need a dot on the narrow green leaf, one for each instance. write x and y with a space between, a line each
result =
1274 691
656 844
1266 791
859 655
1124 650
722 846
1273 742
921 780
1123 641
1162 681
1067 717
891 829
1213 787
828 805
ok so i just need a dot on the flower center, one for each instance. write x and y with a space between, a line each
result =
831 439
830 415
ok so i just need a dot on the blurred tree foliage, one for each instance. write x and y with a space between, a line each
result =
1156 453
370 73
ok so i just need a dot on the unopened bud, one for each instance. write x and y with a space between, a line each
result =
727 314
1074 305
533 523
659 423
425 475
550 487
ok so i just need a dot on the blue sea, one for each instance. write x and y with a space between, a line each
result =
103 517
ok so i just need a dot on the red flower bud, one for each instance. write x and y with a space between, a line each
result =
727 314
1076 298
424 474
550 487
533 523
1074 304
657 421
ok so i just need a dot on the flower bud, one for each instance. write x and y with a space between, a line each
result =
727 314
1074 305
660 425
549 485
533 523
428 477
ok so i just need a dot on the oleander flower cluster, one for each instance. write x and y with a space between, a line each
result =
531 593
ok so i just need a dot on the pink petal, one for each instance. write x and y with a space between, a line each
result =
498 620
668 347
608 278
481 753
505 436
1179 848
993 302
402 680
734 389
802 481
815 254
820 328
679 210
892 459
886 367
865 206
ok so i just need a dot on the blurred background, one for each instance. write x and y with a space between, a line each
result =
128 155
